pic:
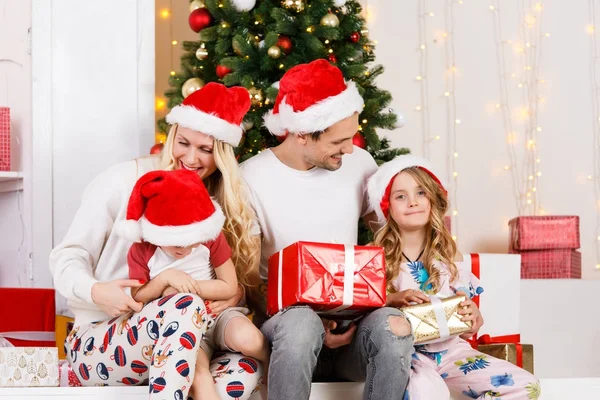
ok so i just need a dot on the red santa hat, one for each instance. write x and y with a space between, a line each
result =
215 110
171 208
312 97
380 184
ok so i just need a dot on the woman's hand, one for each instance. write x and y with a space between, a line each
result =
111 298
169 291
470 312
180 281
218 306
406 297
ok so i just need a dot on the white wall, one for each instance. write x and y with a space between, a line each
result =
486 200
93 85
15 92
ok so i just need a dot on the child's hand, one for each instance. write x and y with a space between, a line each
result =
470 312
169 291
180 281
406 297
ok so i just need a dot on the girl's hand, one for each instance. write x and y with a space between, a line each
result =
218 306
470 312
111 298
406 297
180 281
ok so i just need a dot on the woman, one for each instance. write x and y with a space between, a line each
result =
117 340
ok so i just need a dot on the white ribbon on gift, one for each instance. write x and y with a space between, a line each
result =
349 269
31 336
440 316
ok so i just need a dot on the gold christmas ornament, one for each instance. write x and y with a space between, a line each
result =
330 20
247 124
201 53
256 96
196 4
191 85
274 52
295 5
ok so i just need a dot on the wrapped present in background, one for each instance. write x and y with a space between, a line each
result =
500 303
66 375
507 348
28 317
544 233
339 280
4 139
551 264
28 366
63 326
436 321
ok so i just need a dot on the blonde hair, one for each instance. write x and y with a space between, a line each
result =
227 187
438 243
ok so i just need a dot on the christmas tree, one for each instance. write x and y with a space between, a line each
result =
252 43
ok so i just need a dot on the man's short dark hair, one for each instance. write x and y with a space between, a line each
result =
316 135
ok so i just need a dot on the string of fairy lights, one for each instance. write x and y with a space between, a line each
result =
594 59
527 54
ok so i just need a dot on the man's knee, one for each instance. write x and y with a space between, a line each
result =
399 325
299 328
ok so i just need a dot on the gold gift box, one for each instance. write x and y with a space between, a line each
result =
424 323
508 352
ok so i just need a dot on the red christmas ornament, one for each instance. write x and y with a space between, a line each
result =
200 19
222 71
355 37
332 58
285 44
359 140
157 148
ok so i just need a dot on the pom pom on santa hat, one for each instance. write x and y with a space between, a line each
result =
380 183
171 208
312 97
215 110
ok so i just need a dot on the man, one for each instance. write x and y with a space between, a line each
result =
313 187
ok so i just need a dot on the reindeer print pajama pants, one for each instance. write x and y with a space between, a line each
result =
156 347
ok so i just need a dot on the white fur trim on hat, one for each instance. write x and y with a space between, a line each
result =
381 179
210 124
129 229
317 117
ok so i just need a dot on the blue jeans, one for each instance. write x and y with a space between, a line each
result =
376 355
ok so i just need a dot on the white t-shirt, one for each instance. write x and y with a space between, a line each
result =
315 205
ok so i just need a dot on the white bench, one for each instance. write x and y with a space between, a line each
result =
552 389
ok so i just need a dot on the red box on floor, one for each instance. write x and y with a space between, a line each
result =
333 279
544 233
4 139
28 317
551 264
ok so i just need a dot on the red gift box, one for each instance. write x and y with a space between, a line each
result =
330 278
551 264
544 233
28 317
4 139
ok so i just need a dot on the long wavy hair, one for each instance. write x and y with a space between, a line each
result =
226 185
438 244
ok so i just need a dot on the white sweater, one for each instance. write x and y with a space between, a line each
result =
90 252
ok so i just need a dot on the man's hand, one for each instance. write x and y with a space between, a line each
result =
332 340
111 298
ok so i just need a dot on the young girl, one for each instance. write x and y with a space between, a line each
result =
411 201
180 248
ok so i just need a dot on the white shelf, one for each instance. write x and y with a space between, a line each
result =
10 181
